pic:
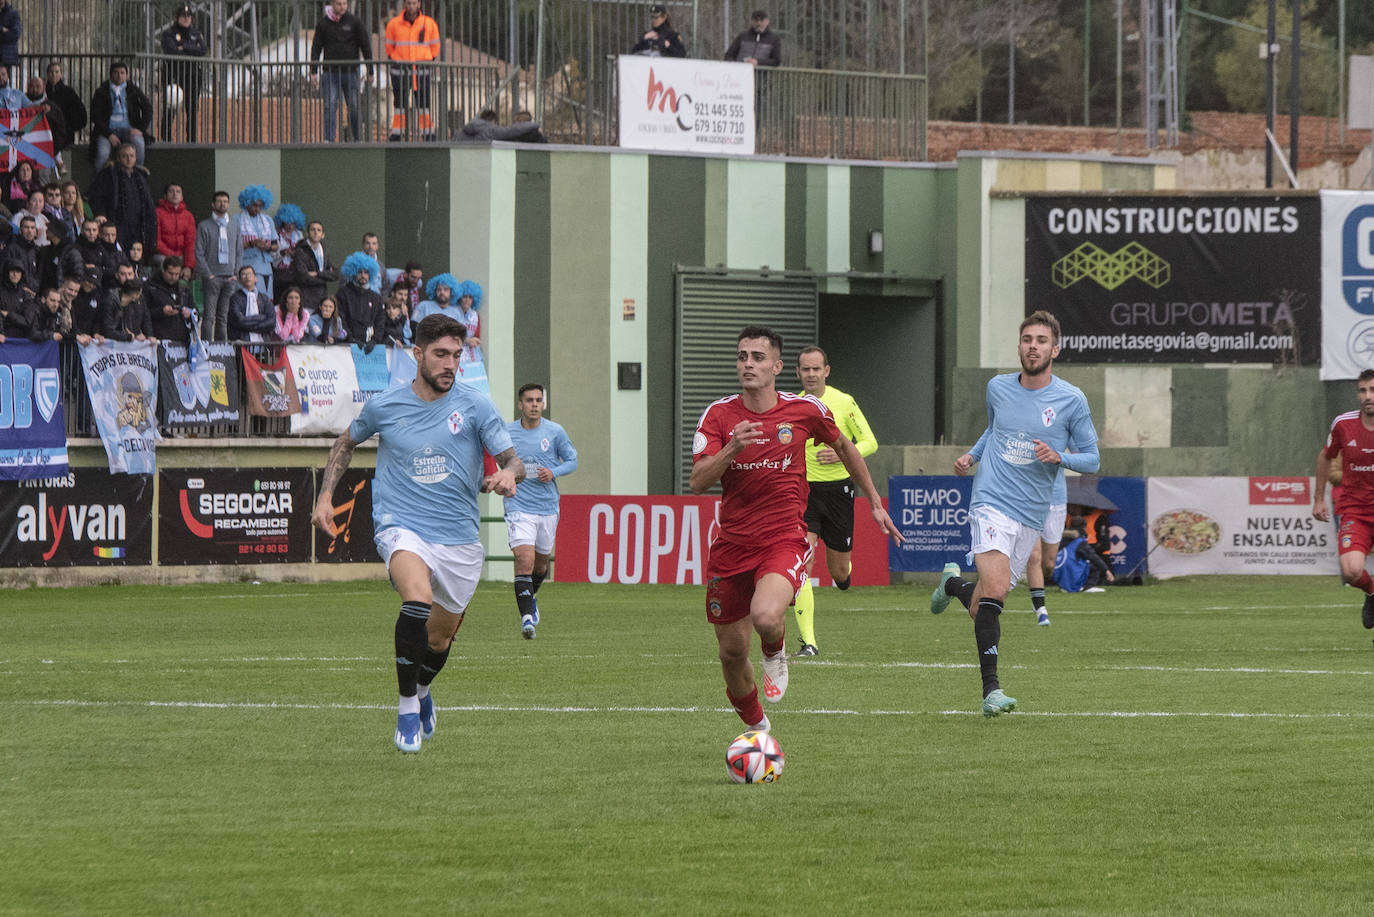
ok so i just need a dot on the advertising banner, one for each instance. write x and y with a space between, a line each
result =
200 385
235 515
1347 283
33 425
122 381
271 386
669 103
352 542
85 518
1127 521
1178 280
328 387
666 539
1237 525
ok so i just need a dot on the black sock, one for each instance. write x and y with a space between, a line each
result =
412 643
987 630
1038 599
959 588
537 580
524 595
843 584
433 663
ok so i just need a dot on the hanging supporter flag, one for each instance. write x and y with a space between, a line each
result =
26 136
371 368
271 389
199 383
473 371
122 381
328 387
403 367
33 426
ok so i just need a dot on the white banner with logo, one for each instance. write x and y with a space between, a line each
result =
328 384
669 103
1347 283
121 379
1237 525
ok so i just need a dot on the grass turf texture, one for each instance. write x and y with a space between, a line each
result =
1194 746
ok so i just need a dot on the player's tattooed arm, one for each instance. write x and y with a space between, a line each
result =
510 471
340 454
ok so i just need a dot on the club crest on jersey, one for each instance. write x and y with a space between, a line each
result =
455 422
544 445
784 433
1345 542
1047 416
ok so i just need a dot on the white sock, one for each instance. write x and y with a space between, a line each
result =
409 705
421 692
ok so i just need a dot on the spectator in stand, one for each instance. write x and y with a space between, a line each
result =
252 317
412 41
485 129
415 276
36 96
439 293
170 305
23 250
360 308
120 113
16 303
219 252
341 40
176 227
53 210
290 221
85 308
92 252
470 300
109 243
312 269
259 234
123 195
11 97
662 39
325 326
75 204
33 207
137 258
371 247
395 327
50 320
11 28
67 100
22 182
292 319
757 45
181 79
125 315
59 259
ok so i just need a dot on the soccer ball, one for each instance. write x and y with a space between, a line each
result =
755 757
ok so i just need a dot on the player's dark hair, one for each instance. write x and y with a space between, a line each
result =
436 326
813 349
1365 376
528 387
759 331
1040 317
174 261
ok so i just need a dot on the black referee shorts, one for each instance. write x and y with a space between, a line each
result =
830 513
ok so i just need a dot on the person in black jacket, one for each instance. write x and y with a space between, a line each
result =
252 317
123 195
67 101
170 305
757 45
85 308
49 322
341 40
661 40
312 270
16 303
181 39
124 314
359 307
120 113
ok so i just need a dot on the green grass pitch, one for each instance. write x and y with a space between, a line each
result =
1196 746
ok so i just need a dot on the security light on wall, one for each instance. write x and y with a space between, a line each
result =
875 241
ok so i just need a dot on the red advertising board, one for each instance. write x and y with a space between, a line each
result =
666 539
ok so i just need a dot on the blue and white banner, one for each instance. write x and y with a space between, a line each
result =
371 368
33 427
403 366
1347 284
328 386
931 512
122 381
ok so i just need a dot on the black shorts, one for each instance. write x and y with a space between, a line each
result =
830 513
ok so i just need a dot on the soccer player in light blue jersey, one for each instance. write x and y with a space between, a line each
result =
424 506
1036 424
532 514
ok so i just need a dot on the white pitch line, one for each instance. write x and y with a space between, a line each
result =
538 708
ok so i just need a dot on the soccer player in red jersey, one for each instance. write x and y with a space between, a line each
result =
754 444
1352 438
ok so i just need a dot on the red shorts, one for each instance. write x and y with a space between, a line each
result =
733 569
1355 535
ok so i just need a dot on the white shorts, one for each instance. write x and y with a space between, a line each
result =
1053 531
531 528
994 530
453 568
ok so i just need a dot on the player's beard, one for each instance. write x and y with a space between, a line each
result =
1037 367
440 382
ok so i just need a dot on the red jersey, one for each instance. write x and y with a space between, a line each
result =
1355 445
764 490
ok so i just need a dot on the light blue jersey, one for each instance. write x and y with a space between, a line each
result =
1010 478
547 445
429 460
1058 497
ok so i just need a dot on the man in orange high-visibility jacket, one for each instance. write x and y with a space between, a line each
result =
412 40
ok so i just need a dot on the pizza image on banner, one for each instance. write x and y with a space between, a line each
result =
1197 279
234 515
271 389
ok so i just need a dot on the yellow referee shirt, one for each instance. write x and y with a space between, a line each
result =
852 423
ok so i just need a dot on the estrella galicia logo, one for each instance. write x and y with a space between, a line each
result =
1357 259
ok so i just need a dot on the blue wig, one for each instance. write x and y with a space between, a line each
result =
447 280
255 193
290 213
359 261
470 288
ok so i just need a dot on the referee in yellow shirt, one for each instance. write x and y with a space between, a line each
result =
830 507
